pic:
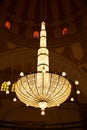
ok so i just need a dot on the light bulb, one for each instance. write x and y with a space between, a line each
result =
9 83
27 105
15 99
42 112
72 99
76 82
7 91
44 71
78 92
21 74
42 105
63 73
58 105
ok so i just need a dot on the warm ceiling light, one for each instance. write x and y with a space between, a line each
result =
43 89
7 25
36 34
7 91
27 105
78 92
21 74
65 31
72 99
58 105
76 82
9 83
15 99
63 73
42 112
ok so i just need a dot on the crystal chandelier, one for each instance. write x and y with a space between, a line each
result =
43 89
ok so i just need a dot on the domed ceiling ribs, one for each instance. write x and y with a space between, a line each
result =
24 21
25 17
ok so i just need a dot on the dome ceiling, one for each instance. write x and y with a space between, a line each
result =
68 52
26 17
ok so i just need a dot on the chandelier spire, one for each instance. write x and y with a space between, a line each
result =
43 53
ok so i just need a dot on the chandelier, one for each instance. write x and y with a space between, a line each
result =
43 89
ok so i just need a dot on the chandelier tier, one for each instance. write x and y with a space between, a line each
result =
43 89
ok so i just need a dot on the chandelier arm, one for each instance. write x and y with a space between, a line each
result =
30 88
42 83
61 90
56 87
19 90
60 99
60 87
43 66
60 96
23 96
36 87
43 53
53 97
51 86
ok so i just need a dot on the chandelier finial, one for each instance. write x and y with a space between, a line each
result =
43 53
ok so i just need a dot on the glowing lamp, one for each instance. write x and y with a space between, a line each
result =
65 31
36 34
7 25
